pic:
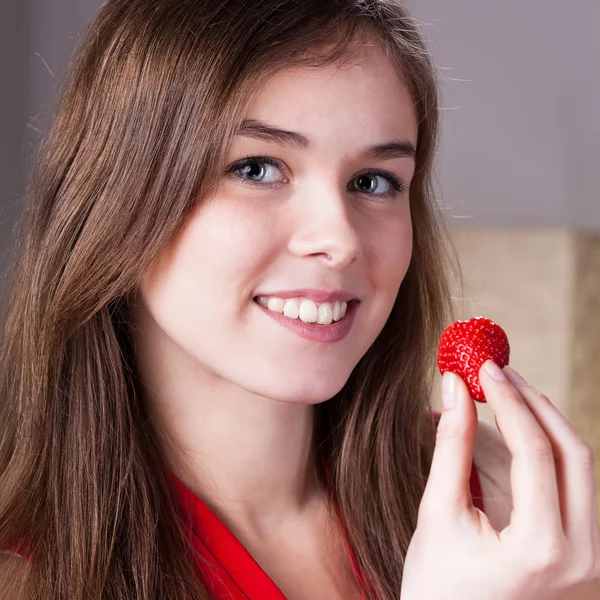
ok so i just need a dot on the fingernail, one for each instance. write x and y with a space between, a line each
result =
494 370
514 376
449 390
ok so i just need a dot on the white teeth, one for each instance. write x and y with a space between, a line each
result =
308 311
275 304
263 301
291 309
325 315
337 310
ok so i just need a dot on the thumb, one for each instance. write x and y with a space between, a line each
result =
449 477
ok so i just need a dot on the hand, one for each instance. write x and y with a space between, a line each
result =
552 543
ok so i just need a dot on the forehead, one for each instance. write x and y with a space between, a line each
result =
366 95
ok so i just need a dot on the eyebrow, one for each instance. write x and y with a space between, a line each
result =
262 131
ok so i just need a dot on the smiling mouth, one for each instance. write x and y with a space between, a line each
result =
306 310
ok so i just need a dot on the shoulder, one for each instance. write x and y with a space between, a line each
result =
493 461
13 572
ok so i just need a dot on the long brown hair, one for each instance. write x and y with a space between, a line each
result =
155 96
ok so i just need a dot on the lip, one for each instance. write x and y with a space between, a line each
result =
316 295
324 334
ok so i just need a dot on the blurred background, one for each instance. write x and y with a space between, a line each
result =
517 172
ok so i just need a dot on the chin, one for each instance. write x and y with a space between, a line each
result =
296 389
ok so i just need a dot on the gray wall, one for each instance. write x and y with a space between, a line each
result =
37 38
521 137
12 111
521 93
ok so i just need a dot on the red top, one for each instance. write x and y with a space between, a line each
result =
227 568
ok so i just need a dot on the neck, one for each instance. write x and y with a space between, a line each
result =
251 459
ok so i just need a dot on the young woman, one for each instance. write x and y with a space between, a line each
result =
221 329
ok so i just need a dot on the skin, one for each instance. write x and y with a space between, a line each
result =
540 539
232 392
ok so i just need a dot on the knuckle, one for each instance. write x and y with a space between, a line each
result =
428 513
587 569
594 572
512 395
585 454
549 558
541 448
448 432
543 397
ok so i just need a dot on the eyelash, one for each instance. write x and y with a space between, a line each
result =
399 185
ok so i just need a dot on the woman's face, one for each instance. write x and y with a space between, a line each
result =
318 221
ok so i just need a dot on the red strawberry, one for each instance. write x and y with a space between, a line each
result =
466 345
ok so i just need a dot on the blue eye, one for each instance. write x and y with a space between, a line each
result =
255 169
369 182
262 171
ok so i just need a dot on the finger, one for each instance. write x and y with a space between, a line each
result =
447 493
574 460
533 472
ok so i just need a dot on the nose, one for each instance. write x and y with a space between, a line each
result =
323 228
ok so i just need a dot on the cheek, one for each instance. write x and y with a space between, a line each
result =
228 245
202 278
390 252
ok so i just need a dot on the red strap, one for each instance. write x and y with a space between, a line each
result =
17 550
227 568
